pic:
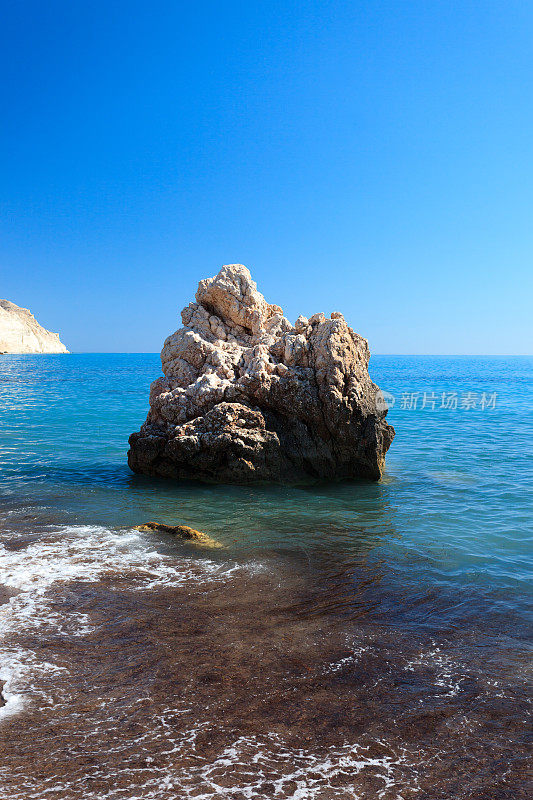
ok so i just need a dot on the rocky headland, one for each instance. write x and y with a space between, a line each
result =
21 333
247 397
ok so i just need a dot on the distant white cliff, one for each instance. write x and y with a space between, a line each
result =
21 333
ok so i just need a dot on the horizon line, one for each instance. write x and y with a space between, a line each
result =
157 352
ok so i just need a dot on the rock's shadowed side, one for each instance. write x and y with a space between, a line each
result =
21 333
247 397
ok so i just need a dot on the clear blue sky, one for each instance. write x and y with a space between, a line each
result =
369 157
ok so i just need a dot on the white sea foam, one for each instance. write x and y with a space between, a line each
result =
294 774
448 676
79 553
249 767
347 661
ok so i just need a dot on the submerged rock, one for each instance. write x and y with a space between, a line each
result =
21 333
183 531
247 397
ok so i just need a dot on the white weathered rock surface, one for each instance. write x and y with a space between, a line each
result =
247 397
21 333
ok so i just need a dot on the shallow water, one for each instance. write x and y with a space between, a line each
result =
354 640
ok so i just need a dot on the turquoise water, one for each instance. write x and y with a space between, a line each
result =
454 511
351 640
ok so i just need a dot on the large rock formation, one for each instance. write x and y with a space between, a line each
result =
21 333
247 397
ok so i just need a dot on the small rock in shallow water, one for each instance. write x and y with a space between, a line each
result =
183 531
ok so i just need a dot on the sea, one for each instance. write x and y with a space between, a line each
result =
346 640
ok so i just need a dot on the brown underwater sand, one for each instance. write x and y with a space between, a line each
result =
199 679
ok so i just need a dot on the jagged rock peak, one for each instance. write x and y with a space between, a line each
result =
248 397
21 333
